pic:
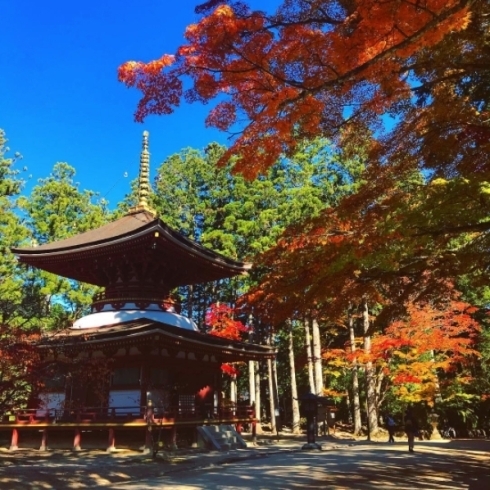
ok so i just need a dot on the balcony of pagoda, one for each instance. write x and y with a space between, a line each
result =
138 299
140 421
230 413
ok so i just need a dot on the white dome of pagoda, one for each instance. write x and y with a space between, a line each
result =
130 312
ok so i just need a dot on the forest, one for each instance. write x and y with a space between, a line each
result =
357 183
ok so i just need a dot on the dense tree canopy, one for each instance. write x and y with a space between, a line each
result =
229 214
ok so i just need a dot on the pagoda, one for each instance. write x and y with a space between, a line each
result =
163 369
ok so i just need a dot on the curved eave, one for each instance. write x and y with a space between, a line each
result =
155 333
131 233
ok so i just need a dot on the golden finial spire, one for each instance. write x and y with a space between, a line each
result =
144 183
144 179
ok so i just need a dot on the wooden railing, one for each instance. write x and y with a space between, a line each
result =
144 414
112 419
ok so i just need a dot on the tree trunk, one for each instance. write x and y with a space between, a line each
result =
370 381
379 385
258 397
437 392
317 357
251 382
233 389
356 403
251 365
276 395
350 410
294 387
309 357
272 405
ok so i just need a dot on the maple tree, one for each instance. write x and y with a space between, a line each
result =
427 342
329 68
427 355
337 69
221 322
20 367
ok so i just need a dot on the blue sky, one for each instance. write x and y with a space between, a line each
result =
60 100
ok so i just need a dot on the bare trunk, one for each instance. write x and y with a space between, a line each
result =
317 357
272 405
437 391
309 357
233 389
251 365
349 406
370 381
276 395
294 387
379 385
258 398
251 382
356 403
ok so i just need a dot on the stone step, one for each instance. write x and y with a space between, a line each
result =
221 438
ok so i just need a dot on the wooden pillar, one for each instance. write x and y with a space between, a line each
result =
254 425
195 442
148 440
111 444
145 374
149 415
44 440
77 440
220 398
174 437
14 441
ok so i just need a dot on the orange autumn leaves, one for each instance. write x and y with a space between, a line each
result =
221 323
413 352
293 74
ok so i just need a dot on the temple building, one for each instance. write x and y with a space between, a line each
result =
161 369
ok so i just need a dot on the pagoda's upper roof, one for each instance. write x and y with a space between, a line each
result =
133 246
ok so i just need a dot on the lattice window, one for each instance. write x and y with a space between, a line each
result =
187 405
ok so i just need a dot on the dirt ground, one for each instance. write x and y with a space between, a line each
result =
31 469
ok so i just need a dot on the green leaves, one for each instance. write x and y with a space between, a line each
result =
57 209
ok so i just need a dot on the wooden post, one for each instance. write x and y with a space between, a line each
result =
174 437
254 425
44 437
77 439
111 445
44 440
149 415
14 442
148 440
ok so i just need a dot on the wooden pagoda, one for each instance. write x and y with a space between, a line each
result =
163 372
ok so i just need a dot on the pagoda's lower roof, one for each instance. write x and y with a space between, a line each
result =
148 335
135 249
